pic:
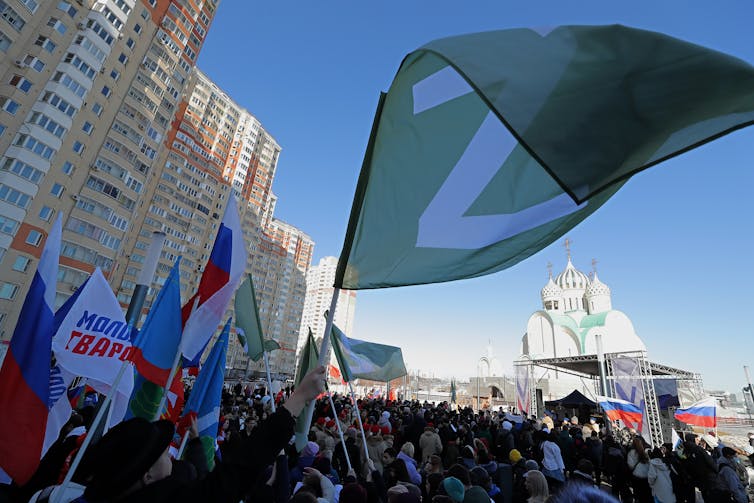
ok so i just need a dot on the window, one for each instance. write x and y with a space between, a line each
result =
130 43
57 190
46 43
97 109
30 4
3 127
115 75
9 14
34 238
66 7
30 143
21 83
137 28
50 125
87 127
14 196
21 264
55 23
9 105
8 226
80 65
78 147
8 291
22 169
4 42
33 62
69 82
45 214
123 59
67 168
106 91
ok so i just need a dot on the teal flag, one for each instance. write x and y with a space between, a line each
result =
453 391
490 146
308 360
248 326
366 360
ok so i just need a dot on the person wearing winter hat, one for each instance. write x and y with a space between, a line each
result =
131 463
514 456
430 443
476 494
728 475
454 489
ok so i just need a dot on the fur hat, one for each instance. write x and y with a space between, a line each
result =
124 455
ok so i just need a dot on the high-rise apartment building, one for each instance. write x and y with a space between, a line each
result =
88 93
104 117
319 291
281 260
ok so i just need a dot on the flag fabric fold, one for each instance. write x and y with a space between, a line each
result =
359 359
204 401
248 325
155 347
308 360
617 409
25 377
702 413
490 146
219 281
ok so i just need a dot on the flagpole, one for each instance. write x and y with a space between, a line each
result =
184 441
269 380
340 430
57 497
173 370
324 349
358 418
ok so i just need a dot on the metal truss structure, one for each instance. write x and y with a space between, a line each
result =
588 367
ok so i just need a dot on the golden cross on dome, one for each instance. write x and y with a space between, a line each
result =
549 268
567 245
594 265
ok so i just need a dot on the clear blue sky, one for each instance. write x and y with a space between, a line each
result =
675 244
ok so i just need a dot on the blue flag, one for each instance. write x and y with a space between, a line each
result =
156 346
204 401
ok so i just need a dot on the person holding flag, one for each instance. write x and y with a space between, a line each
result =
132 464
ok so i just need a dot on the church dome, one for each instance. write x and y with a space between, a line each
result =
571 278
597 287
551 290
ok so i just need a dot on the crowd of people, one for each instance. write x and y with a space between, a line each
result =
411 452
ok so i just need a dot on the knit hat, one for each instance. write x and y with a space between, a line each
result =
353 493
124 455
454 488
374 429
310 449
531 464
330 424
321 421
385 430
476 494
507 425
514 456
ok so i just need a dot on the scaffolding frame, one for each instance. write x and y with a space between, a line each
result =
587 367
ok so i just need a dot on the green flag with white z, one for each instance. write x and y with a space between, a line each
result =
490 146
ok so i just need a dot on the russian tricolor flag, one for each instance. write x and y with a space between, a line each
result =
25 375
702 413
617 409
221 277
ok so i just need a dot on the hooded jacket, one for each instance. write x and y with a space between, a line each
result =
658 477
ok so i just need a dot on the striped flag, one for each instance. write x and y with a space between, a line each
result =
220 278
617 409
25 377
204 401
702 413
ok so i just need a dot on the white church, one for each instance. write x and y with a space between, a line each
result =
575 309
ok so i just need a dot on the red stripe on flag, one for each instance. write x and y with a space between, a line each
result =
25 416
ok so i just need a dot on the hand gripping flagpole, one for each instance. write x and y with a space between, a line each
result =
324 349
269 380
